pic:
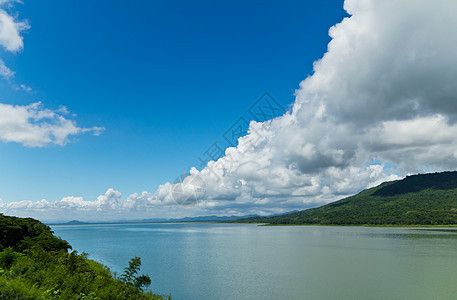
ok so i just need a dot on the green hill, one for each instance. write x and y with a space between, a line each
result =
428 199
34 264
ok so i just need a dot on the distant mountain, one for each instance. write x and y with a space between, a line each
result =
160 220
75 222
199 219
426 199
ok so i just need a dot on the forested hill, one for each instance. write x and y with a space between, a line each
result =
22 234
427 199
34 264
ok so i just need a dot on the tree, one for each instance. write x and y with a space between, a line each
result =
129 277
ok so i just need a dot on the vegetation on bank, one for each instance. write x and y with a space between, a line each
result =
34 264
427 199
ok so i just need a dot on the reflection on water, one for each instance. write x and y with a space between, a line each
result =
415 233
238 261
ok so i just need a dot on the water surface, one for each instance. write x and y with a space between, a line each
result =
239 261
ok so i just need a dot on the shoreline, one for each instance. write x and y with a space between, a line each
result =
354 225
268 224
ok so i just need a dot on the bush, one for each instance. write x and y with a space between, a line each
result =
8 257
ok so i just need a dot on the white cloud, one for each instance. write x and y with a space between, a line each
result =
5 72
11 38
9 2
106 206
10 30
25 88
35 126
380 104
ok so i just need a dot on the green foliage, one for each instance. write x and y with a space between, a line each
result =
36 265
8 257
22 234
429 199
417 183
139 282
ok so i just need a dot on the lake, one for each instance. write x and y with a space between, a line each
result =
244 261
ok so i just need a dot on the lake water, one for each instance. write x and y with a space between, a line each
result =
238 261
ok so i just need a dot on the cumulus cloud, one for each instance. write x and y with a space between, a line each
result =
35 126
381 103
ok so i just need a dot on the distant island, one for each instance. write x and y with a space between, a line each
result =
426 199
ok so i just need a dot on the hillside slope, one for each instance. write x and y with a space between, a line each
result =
427 199
35 264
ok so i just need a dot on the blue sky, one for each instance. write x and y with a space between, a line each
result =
104 103
165 78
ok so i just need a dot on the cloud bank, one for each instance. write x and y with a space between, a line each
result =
380 104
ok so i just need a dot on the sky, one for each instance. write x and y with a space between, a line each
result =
149 109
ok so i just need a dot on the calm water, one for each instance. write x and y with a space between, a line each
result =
232 261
